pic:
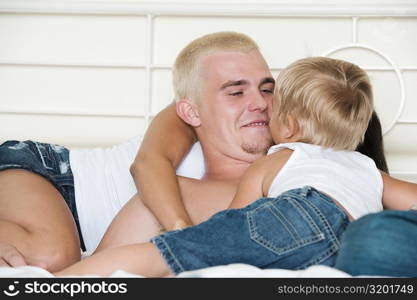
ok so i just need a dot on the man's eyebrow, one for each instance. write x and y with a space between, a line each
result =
267 80
233 83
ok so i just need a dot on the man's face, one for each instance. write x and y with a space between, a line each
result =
235 98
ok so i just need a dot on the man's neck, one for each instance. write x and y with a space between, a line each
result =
222 167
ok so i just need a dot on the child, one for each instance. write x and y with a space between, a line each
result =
314 181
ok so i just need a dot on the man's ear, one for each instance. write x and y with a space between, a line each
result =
292 127
188 112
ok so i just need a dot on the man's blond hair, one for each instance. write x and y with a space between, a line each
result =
186 71
330 99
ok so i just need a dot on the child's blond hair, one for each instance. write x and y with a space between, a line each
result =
186 71
330 99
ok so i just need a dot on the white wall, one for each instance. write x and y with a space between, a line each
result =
93 73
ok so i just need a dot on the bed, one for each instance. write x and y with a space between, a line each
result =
227 271
102 65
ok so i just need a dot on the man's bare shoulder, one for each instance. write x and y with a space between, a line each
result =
187 184
203 198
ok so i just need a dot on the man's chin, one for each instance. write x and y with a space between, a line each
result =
259 148
257 141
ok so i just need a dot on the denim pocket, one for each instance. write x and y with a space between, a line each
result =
283 225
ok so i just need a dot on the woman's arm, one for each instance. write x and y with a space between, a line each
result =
398 194
167 141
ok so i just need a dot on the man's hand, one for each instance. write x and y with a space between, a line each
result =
11 257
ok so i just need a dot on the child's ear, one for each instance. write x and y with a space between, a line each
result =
188 112
292 129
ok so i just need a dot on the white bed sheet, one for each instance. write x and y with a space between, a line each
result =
227 271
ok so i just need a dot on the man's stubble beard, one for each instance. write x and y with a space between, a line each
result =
257 148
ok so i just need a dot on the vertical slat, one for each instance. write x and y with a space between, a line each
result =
355 30
149 68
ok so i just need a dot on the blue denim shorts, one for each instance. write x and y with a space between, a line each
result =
299 228
48 160
380 244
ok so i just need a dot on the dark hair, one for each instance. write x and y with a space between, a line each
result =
372 145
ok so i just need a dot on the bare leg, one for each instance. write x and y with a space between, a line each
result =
143 259
36 220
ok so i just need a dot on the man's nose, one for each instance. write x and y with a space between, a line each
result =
258 102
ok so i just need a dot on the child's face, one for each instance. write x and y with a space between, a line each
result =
278 129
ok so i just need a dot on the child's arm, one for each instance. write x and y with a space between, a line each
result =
250 186
398 194
167 141
258 177
143 259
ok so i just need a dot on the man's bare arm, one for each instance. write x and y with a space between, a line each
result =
167 141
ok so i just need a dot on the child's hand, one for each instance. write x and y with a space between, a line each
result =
180 224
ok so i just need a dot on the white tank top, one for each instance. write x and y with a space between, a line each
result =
103 183
349 177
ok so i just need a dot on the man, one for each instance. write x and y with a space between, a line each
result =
223 90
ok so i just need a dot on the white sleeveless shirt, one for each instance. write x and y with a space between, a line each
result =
349 177
103 183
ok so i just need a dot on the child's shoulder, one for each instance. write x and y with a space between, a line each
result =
279 154
280 157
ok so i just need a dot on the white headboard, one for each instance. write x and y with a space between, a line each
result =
94 73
